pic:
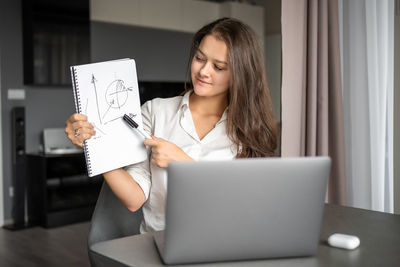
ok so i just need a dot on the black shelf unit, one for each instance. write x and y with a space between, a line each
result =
56 35
59 191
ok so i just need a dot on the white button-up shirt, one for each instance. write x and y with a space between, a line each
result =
171 120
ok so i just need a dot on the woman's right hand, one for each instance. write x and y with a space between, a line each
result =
78 129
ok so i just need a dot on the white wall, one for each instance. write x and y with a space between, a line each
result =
396 111
178 15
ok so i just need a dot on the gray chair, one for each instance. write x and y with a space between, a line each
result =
110 220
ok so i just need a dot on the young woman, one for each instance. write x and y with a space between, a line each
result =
226 113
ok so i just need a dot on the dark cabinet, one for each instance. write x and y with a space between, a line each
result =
59 191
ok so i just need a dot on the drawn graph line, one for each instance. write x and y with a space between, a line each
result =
131 115
94 80
113 119
93 123
97 128
116 96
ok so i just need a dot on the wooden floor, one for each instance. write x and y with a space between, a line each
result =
61 246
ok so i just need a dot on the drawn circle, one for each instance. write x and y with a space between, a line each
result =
116 94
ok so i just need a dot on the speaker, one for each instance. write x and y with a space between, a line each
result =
18 168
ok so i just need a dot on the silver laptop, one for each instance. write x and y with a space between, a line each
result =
243 209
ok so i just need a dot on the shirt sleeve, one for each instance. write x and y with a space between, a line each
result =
140 172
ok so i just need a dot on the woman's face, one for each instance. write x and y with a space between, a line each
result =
209 69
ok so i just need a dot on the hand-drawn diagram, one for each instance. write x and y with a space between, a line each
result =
131 115
116 95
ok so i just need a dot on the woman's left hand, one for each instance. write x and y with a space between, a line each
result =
164 152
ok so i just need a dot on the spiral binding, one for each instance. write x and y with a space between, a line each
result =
88 164
78 108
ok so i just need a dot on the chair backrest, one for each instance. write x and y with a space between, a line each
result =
111 219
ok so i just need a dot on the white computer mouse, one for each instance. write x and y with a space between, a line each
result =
343 241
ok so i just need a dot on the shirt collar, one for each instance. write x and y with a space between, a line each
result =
224 116
185 100
185 105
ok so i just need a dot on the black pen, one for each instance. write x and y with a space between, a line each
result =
135 126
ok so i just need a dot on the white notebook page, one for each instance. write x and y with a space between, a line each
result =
104 92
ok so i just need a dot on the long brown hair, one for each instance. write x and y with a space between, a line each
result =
251 123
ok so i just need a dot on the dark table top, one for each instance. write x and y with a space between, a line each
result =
379 234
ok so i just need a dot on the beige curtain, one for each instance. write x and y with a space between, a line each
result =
312 120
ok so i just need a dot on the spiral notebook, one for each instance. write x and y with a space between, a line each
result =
104 92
